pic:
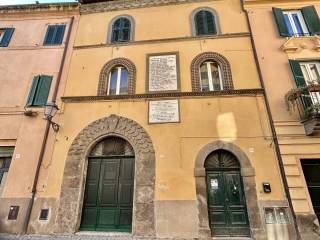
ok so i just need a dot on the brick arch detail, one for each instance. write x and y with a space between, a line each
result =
104 74
224 66
73 185
248 177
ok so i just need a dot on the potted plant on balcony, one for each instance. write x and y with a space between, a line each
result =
291 96
313 110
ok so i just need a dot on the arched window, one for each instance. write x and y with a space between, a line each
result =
121 30
118 81
117 77
211 71
205 23
210 76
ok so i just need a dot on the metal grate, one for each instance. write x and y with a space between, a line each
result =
221 159
113 146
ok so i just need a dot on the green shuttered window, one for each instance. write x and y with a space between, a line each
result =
301 82
205 23
304 21
5 36
39 91
54 35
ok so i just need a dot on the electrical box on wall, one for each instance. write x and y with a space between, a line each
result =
266 187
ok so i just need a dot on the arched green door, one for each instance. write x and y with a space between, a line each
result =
226 199
108 197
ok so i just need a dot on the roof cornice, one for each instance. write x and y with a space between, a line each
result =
39 8
116 5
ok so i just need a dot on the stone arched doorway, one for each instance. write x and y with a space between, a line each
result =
227 210
73 184
248 178
108 195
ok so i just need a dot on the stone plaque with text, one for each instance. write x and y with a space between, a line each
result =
164 111
163 73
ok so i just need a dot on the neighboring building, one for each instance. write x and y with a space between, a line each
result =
286 36
163 107
33 39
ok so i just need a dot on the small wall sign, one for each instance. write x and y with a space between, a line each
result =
214 184
164 111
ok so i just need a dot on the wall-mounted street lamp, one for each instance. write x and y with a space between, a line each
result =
50 111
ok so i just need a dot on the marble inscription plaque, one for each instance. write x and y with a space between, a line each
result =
163 74
164 111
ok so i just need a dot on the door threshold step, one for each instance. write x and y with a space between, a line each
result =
104 234
231 238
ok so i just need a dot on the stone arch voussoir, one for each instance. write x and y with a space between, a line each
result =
72 190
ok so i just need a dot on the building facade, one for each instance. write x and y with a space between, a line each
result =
288 54
164 130
35 43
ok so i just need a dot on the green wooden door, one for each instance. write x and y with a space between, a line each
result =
226 204
108 194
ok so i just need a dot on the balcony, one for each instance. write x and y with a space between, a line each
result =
306 100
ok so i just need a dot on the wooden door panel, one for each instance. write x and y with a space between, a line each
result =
126 193
89 216
107 217
125 217
109 194
226 204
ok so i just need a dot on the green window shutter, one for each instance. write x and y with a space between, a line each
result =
51 32
33 90
300 81
43 90
312 19
59 34
6 37
282 26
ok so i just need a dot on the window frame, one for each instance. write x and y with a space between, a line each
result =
110 29
210 79
194 26
55 32
118 81
315 96
6 34
303 25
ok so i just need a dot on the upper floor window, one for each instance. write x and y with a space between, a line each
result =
121 30
295 23
117 77
305 74
118 81
39 91
5 36
301 22
5 160
204 22
55 34
210 76
211 71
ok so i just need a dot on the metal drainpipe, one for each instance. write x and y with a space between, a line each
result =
46 132
273 130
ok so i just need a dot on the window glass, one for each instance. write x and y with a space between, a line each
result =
290 30
124 81
113 82
205 23
295 23
1 34
210 77
311 74
121 30
118 81
215 73
204 77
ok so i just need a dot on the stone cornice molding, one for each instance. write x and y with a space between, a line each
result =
39 8
129 4
226 93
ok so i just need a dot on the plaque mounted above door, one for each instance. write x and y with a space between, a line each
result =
163 72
